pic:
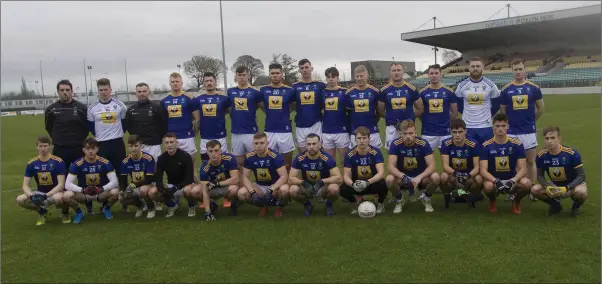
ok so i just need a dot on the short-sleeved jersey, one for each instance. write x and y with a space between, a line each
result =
363 167
91 173
399 102
461 157
277 108
477 96
179 110
308 105
436 116
243 112
519 100
264 168
335 113
213 115
502 158
212 173
362 107
107 119
138 169
411 159
45 172
562 167
313 170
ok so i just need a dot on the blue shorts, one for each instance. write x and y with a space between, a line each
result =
480 134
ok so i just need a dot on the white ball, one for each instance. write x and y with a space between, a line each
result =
366 209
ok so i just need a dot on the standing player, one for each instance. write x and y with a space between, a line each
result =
319 176
460 160
563 166
361 101
411 166
91 178
396 102
278 100
270 187
335 130
213 108
440 106
477 93
48 171
503 166
309 103
523 102
364 171
178 166
140 167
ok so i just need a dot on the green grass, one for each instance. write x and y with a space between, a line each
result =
458 245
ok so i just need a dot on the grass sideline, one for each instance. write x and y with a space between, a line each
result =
458 245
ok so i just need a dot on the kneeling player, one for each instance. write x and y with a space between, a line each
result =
460 176
364 171
140 167
178 166
564 167
503 166
270 188
49 173
319 176
414 156
96 180
219 178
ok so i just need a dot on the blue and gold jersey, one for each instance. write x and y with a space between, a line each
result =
213 115
519 100
363 167
562 167
138 169
399 102
264 168
308 100
243 112
502 158
179 114
221 172
277 107
436 116
91 173
362 107
314 170
461 157
335 113
45 172
411 159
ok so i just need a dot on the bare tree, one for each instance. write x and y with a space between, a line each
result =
449 56
289 67
199 64
316 76
254 65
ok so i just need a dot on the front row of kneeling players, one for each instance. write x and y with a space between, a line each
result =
496 167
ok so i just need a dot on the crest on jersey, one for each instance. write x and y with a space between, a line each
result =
75 112
563 161
51 166
483 88
510 150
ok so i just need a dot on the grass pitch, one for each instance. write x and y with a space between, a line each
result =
455 245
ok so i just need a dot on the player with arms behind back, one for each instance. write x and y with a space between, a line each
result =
563 166
140 167
213 108
361 101
335 129
48 171
503 166
308 117
319 176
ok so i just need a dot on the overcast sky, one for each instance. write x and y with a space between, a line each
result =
156 36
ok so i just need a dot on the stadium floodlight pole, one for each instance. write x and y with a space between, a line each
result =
127 88
179 66
85 79
91 84
42 80
508 6
221 19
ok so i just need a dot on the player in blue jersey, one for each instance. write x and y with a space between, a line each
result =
460 157
91 178
213 106
319 176
411 166
270 187
335 129
364 172
396 102
48 171
440 106
477 93
278 100
523 102
219 179
503 166
309 104
564 167
140 168
361 101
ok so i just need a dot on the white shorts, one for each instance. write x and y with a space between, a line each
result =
391 134
153 150
374 141
338 140
203 145
529 140
301 133
435 141
187 145
281 142
242 144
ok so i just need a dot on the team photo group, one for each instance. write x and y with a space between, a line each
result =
484 150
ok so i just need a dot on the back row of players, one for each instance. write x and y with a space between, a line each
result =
359 107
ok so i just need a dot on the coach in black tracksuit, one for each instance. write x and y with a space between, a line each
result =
148 120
